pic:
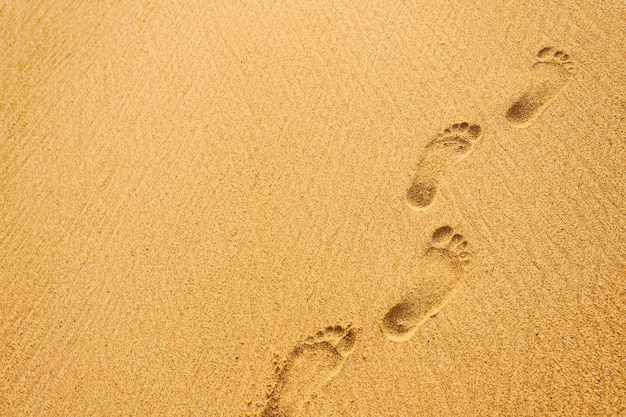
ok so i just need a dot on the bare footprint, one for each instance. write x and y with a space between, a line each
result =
307 368
550 75
448 148
444 264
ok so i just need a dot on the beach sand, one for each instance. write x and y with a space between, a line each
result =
290 208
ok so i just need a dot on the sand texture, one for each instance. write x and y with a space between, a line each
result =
313 208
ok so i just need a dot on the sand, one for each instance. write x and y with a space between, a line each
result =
286 208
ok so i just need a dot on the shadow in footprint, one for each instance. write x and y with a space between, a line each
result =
549 75
308 367
445 262
448 148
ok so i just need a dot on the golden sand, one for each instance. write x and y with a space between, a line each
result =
288 208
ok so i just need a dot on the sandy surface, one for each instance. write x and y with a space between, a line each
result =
207 209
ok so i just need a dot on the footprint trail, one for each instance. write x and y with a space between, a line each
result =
444 264
549 75
448 148
308 367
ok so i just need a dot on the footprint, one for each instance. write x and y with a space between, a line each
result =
452 145
550 75
444 264
307 368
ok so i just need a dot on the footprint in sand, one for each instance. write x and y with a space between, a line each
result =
307 368
444 264
549 76
452 145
